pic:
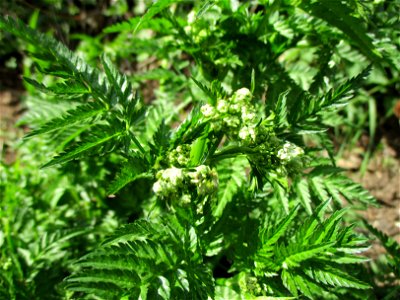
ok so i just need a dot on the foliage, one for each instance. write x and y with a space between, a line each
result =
146 193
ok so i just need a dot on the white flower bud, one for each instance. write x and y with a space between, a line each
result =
289 151
222 106
247 133
203 169
232 121
173 175
186 199
157 188
234 108
191 17
248 114
207 110
242 95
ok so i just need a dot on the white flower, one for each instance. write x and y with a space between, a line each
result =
182 159
191 17
248 114
186 199
173 175
157 188
232 121
234 108
283 155
242 95
247 133
203 169
222 106
207 110
289 151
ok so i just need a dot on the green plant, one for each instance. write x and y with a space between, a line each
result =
235 161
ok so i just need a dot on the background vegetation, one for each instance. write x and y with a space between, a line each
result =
153 131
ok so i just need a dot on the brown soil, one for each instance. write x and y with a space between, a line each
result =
9 113
382 179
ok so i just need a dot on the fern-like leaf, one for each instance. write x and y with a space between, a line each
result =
89 145
340 15
335 277
158 257
81 114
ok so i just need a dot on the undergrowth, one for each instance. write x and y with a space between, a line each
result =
223 185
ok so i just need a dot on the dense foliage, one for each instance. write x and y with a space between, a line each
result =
208 172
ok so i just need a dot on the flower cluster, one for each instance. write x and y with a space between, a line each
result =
179 156
288 152
183 181
168 181
236 115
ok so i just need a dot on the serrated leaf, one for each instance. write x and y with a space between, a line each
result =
281 110
350 190
154 9
80 114
126 176
205 89
330 226
341 16
164 291
391 245
270 238
305 286
302 189
81 149
231 177
289 282
317 185
206 6
120 83
300 254
70 87
335 277
282 195
349 259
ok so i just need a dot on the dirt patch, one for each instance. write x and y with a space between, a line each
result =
382 179
9 113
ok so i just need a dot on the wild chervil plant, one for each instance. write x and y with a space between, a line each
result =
234 202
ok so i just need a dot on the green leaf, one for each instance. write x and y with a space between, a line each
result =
306 286
70 87
310 108
281 110
350 190
154 9
335 277
153 255
318 187
338 14
206 6
121 85
391 245
126 176
164 291
302 189
82 149
271 237
231 178
299 254
282 195
81 114
205 89
289 282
